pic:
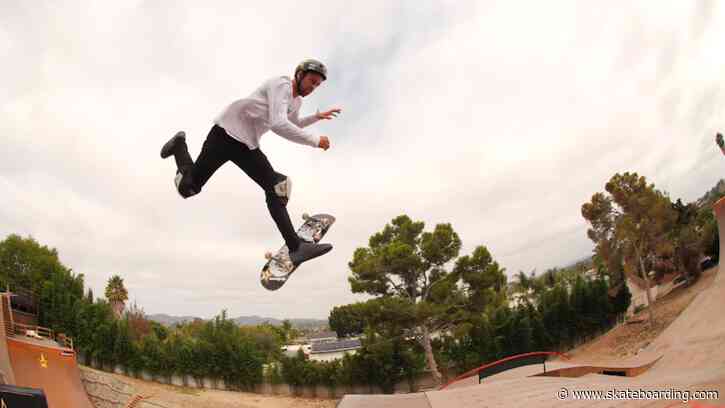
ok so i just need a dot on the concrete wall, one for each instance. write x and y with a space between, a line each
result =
105 391
335 355
114 391
639 296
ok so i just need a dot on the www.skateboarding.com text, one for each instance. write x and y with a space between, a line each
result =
628 394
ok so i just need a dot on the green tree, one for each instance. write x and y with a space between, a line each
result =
410 268
556 315
642 229
347 320
116 294
386 362
267 339
288 331
687 236
602 214
527 286
152 355
707 227
297 371
36 272
123 348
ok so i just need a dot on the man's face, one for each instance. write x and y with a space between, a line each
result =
309 83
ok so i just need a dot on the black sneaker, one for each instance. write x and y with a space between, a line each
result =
170 147
184 185
307 251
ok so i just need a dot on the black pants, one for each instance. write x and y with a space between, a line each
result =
219 148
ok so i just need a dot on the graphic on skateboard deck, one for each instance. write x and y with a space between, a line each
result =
279 267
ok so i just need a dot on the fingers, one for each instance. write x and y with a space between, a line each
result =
332 113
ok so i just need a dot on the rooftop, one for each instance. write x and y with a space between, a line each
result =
340 345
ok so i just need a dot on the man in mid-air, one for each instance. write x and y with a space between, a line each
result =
235 136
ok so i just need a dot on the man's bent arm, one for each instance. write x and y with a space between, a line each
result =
278 96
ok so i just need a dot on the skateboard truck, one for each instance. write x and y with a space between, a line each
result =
270 257
307 217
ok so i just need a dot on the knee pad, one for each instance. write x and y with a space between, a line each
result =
184 185
283 188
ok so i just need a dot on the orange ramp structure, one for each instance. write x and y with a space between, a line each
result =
38 363
52 369
6 370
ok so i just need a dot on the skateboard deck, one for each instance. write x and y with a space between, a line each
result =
279 268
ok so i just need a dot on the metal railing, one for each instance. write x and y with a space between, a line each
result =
64 341
41 333
7 315
7 328
533 358
37 332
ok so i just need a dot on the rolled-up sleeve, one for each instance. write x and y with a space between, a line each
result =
278 98
304 122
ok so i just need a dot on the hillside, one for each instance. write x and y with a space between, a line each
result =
628 339
168 321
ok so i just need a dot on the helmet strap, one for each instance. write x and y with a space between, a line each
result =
298 81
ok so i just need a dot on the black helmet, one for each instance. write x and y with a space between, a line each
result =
312 65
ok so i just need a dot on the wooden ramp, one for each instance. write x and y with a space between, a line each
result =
39 364
6 370
52 369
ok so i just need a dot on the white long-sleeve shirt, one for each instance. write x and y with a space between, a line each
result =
269 107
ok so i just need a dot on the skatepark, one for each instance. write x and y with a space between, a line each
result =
687 358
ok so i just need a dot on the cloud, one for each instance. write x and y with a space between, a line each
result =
500 120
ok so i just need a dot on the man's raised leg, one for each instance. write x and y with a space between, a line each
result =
192 176
276 188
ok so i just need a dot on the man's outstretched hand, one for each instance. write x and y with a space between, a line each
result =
332 113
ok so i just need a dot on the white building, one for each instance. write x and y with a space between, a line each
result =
637 287
333 350
323 346
290 350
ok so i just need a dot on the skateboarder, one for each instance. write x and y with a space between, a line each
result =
235 136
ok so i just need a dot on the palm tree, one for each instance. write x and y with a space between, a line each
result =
116 294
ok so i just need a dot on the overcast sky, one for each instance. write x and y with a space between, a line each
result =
499 117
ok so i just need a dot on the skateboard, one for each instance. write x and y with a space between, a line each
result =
279 267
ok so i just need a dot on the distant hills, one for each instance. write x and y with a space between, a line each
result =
711 196
169 321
